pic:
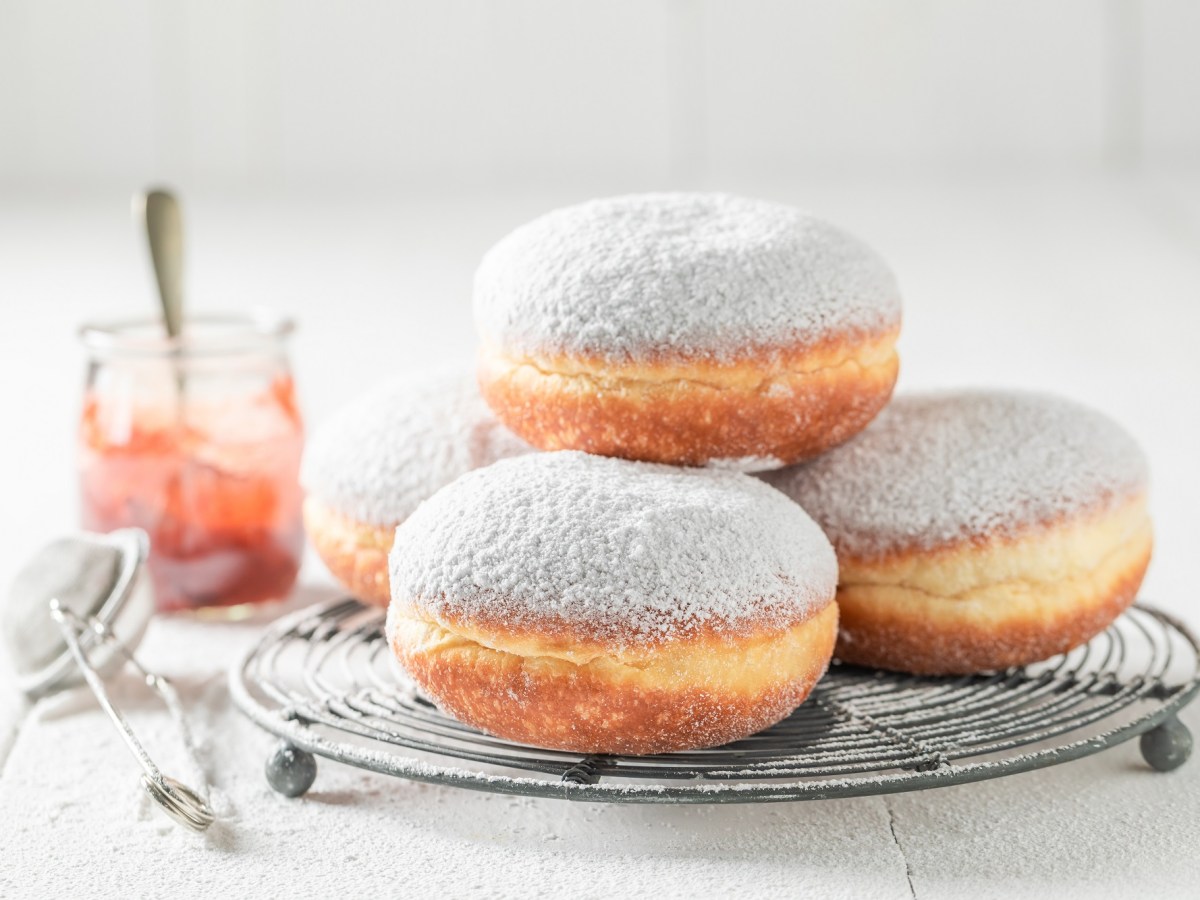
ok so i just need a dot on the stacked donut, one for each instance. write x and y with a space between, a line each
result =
637 591
369 467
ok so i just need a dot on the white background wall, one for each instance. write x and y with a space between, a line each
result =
295 95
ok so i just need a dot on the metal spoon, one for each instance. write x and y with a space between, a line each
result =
162 219
160 215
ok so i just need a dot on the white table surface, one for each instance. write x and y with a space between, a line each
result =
1089 286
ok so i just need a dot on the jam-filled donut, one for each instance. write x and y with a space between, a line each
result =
605 606
370 465
978 530
691 329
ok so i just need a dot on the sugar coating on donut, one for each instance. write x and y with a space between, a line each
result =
379 457
709 276
745 463
934 469
621 552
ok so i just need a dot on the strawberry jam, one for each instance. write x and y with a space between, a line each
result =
206 460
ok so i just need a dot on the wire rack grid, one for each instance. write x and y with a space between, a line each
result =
324 680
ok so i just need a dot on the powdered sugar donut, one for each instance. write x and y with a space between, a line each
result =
605 606
979 530
372 464
686 328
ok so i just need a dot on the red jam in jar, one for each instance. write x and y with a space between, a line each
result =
198 442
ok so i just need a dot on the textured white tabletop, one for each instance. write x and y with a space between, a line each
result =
1086 286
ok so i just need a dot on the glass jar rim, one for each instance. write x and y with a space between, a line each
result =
203 335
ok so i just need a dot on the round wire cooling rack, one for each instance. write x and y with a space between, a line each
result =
325 682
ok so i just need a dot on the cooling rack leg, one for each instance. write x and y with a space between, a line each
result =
1168 746
290 770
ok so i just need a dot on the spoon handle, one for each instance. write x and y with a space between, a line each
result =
163 220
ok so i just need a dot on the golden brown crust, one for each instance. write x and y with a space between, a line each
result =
356 553
976 607
701 694
784 406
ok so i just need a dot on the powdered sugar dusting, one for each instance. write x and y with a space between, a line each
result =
936 468
745 463
708 275
633 553
379 457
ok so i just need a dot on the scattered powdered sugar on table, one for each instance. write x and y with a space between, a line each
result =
633 553
71 794
78 826
709 275
940 467
379 457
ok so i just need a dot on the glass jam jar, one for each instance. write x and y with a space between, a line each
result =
197 440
